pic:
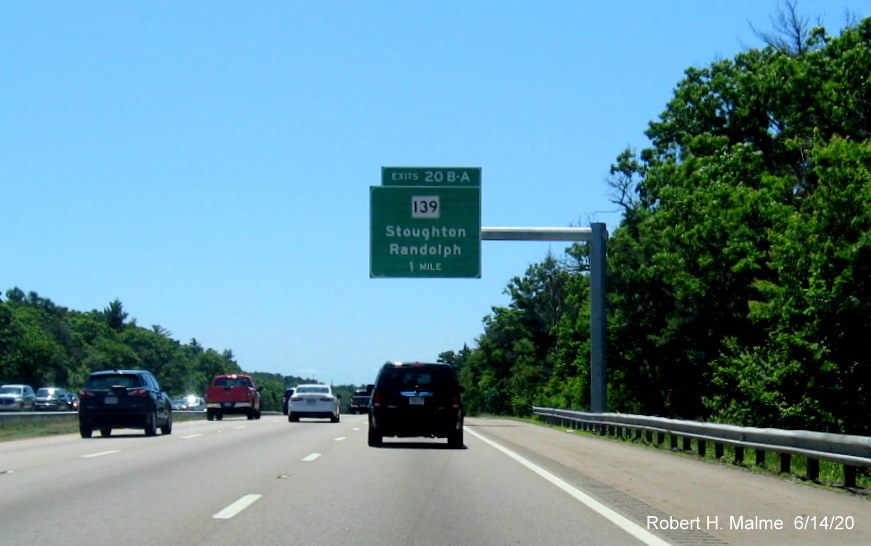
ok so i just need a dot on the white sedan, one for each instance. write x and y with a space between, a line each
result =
313 401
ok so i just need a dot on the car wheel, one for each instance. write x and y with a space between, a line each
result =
167 427
210 415
257 414
151 424
105 432
455 438
85 430
250 414
375 439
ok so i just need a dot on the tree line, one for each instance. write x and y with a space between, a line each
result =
739 277
44 344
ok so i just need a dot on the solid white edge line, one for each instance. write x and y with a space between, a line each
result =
620 521
311 457
237 506
101 453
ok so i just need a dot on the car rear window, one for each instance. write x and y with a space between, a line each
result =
317 390
418 376
115 380
231 382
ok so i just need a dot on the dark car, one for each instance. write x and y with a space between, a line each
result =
360 400
287 394
416 399
123 399
51 399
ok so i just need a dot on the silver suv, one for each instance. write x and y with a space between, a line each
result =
17 397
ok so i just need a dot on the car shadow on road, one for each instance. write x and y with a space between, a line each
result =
418 445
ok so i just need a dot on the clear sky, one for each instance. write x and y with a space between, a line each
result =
208 163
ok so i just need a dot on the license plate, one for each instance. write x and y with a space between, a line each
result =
110 400
415 401
227 404
311 401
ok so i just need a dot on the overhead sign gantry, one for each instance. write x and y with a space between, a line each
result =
426 222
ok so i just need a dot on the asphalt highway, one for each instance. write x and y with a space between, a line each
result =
272 482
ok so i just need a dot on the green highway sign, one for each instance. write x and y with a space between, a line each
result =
425 231
431 176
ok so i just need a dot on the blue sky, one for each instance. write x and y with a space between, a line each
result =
209 163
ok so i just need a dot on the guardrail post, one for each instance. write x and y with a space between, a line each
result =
785 463
739 454
702 447
813 469
849 476
718 451
760 458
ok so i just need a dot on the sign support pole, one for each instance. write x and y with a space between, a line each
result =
597 236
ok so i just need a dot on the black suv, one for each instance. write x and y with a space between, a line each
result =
416 399
123 399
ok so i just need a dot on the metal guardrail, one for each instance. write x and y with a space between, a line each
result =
852 452
34 417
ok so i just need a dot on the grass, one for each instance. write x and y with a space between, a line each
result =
830 473
66 424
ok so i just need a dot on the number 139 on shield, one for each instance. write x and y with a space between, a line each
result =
425 206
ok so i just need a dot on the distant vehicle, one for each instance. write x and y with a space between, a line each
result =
287 394
416 399
313 401
123 399
360 401
189 403
16 397
51 399
232 394
72 401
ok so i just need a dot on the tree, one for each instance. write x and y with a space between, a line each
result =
115 315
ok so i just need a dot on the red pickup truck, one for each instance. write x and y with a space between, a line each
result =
232 394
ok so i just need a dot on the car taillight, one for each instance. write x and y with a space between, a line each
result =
295 398
327 398
376 399
137 392
455 401
86 394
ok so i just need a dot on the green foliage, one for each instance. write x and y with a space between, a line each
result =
44 344
739 277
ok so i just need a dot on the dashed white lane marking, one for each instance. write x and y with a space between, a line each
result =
237 506
189 436
311 457
627 525
101 453
340 438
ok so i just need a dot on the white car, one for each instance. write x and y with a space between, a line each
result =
313 401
